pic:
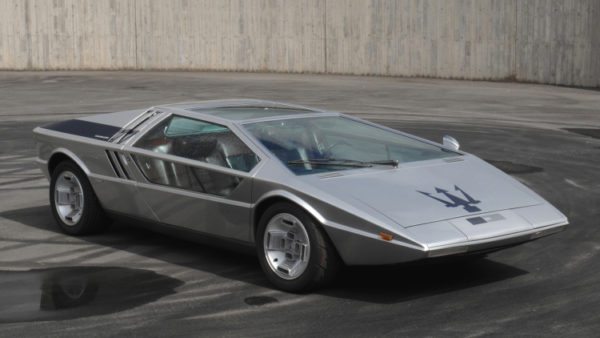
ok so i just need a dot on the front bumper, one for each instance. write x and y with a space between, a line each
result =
495 242
361 248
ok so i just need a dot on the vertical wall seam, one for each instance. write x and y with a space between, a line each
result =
325 36
28 42
73 37
515 46
135 34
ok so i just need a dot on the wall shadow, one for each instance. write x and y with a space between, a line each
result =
74 292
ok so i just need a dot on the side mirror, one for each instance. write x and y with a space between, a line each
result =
450 142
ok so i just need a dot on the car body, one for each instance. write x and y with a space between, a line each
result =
435 201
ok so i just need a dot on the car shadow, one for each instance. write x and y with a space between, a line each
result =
387 284
405 282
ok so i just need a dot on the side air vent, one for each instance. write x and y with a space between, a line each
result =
116 160
112 163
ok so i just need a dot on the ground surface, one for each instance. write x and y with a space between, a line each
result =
134 282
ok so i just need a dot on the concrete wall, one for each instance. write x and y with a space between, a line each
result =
547 41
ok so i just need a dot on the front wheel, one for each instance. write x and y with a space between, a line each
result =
293 250
74 204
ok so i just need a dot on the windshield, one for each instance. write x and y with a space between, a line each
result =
322 144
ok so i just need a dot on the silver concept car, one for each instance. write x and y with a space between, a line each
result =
308 189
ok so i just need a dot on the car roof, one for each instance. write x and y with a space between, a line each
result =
243 110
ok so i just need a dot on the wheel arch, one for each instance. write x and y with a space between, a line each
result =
61 154
273 197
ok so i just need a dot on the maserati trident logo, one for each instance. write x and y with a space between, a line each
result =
453 201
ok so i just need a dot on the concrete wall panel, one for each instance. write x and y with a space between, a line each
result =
558 42
547 41
104 33
15 50
455 39
52 36
248 35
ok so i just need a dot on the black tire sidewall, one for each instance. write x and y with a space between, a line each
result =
309 278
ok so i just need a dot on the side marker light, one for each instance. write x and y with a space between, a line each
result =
386 236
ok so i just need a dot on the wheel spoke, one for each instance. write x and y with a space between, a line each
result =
286 267
63 197
276 240
301 251
287 222
77 200
72 214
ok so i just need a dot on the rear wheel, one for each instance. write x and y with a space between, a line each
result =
293 250
74 204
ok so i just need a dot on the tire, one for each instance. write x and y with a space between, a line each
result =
74 205
312 272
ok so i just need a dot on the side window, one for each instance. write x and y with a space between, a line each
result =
200 141
187 177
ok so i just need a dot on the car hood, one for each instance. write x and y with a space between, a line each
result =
431 191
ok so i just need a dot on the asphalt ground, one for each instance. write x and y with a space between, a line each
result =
132 282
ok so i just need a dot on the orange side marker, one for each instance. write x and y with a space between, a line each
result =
386 236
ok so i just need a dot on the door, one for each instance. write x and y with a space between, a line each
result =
195 175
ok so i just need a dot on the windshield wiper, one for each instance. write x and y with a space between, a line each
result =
331 161
386 162
343 162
